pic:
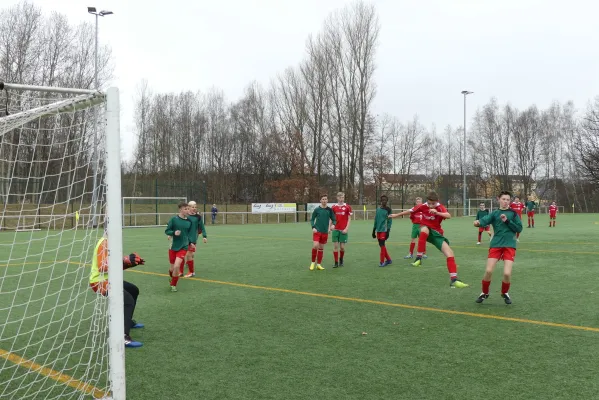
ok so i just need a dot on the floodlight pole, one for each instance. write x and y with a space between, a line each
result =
464 184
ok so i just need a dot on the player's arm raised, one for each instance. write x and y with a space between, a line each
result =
401 214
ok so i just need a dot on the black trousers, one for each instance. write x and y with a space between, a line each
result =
130 293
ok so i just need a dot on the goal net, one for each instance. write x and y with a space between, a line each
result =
474 206
59 171
149 211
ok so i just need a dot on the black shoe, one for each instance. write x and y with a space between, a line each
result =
482 298
506 298
336 265
341 262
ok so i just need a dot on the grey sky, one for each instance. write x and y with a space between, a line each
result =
522 52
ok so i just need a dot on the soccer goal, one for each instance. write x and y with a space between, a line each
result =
60 191
141 212
473 206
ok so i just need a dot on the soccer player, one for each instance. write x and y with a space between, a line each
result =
482 212
322 218
433 213
552 214
517 207
98 281
530 211
197 227
382 229
343 213
416 219
506 223
178 228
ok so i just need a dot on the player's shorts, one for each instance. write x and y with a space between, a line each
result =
339 236
174 254
531 213
485 229
415 230
320 237
381 235
436 239
191 248
502 253
552 215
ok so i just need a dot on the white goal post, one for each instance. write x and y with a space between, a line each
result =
473 206
59 163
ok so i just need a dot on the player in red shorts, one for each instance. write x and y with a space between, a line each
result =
433 213
322 221
416 219
552 214
530 211
482 212
506 223
178 228
343 213
518 207
381 230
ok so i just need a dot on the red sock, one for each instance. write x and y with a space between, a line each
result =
342 253
479 236
422 242
336 256
505 287
412 245
452 268
387 256
382 255
190 266
182 268
486 285
174 281
314 253
518 235
320 255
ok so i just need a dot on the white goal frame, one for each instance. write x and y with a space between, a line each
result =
116 343
472 210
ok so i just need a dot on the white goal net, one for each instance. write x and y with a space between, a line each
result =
474 206
58 339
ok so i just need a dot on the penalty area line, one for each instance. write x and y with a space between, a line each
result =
54 375
386 303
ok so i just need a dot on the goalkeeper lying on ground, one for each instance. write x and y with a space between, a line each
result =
98 281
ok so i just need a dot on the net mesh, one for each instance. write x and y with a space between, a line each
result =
53 328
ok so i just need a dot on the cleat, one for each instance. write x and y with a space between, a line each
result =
408 257
388 262
506 298
173 288
190 275
478 243
319 267
418 262
312 266
456 283
336 265
131 343
382 264
137 325
341 263
482 297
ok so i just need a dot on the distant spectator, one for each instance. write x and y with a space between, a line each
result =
214 212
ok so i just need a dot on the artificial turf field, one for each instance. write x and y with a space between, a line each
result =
257 324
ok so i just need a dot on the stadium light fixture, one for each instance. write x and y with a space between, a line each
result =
464 184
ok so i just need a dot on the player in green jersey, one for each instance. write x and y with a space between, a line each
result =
178 229
530 211
382 229
506 223
197 227
322 221
482 212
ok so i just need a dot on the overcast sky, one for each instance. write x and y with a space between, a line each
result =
522 52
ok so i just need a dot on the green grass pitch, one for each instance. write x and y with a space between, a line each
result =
257 324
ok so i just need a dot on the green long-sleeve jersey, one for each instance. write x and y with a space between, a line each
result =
530 206
177 223
382 222
197 227
504 233
320 218
481 214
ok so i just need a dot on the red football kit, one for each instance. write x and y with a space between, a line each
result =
430 220
518 208
342 214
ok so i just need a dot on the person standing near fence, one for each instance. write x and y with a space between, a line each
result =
214 212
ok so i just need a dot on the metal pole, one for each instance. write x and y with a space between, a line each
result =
464 160
95 144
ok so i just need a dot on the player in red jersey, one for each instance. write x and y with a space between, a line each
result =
518 208
433 213
343 213
416 219
552 214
